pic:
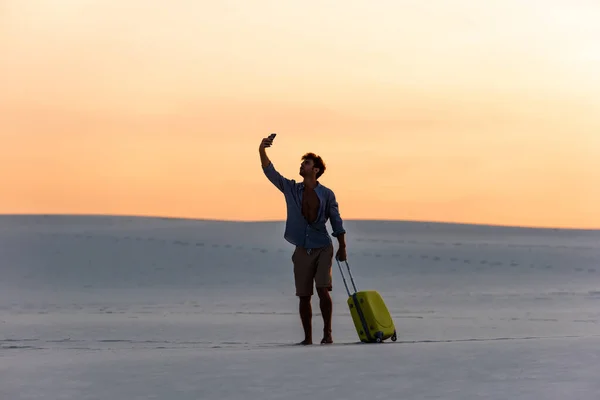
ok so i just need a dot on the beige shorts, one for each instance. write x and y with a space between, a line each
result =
312 268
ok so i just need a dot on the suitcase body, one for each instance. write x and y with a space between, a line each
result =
371 317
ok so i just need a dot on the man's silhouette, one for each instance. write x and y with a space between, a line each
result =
309 206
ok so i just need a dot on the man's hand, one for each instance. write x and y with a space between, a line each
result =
266 142
341 254
264 159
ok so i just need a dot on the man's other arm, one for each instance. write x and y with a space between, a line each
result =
337 224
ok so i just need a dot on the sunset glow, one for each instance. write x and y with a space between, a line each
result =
462 111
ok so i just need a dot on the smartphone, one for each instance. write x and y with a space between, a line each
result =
272 136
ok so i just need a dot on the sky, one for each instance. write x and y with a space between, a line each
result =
462 111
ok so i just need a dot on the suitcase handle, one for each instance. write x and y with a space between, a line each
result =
344 278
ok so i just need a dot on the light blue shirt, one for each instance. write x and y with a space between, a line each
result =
298 231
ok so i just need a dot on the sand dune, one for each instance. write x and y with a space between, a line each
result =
108 291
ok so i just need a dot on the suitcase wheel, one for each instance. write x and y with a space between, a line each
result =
379 337
394 337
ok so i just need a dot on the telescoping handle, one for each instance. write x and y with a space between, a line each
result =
344 278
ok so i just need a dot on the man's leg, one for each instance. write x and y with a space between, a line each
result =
306 318
326 310
304 272
324 286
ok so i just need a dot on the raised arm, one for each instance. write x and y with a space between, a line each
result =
271 173
262 150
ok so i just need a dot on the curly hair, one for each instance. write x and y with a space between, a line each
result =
317 161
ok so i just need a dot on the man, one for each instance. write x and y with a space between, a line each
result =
309 206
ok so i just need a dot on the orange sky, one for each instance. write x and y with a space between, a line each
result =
468 111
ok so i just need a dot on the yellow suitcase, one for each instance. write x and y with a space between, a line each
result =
371 316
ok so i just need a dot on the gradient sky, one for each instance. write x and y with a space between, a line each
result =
463 110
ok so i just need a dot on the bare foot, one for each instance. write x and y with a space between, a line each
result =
327 340
306 342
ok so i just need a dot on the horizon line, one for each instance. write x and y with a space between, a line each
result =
174 217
